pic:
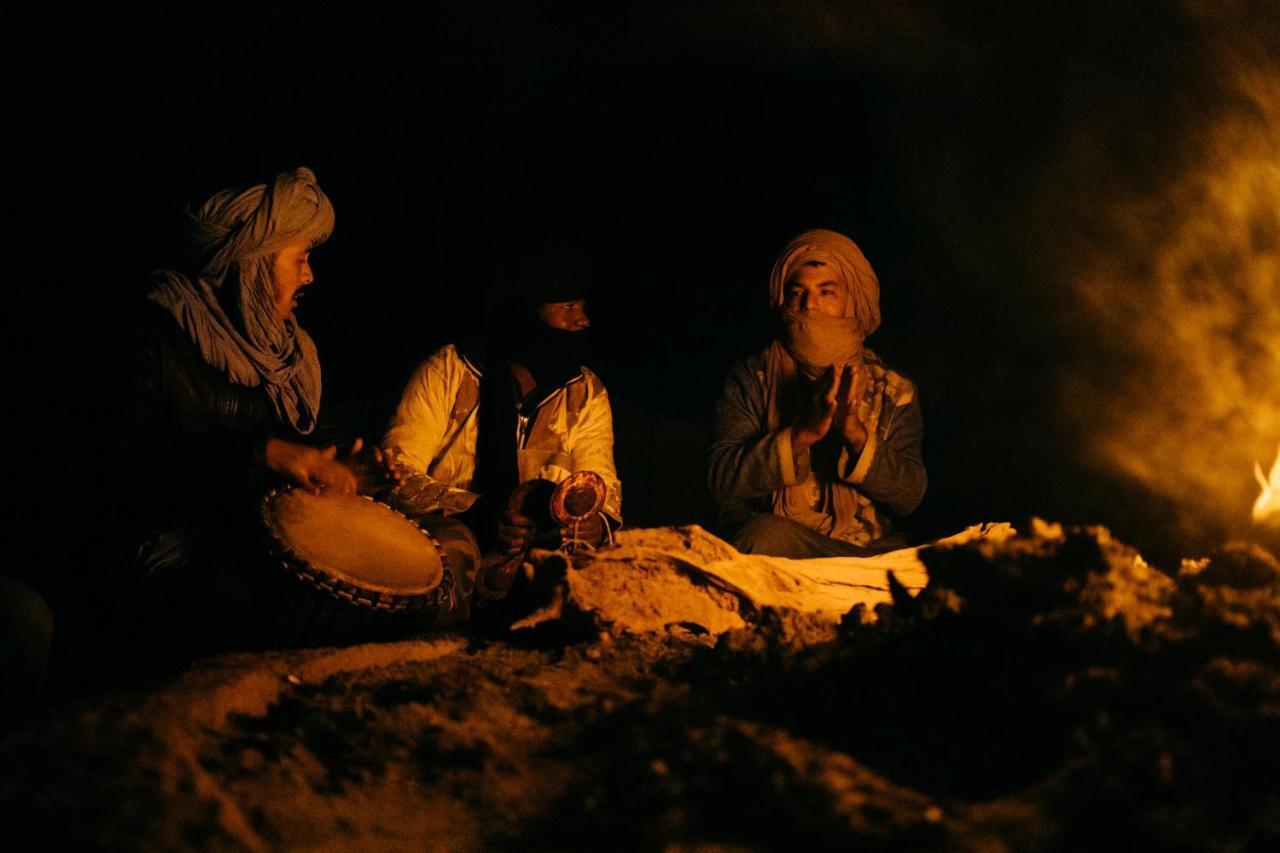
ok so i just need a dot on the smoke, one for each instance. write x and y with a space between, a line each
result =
1180 292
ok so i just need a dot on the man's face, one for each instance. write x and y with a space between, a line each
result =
570 316
290 272
815 290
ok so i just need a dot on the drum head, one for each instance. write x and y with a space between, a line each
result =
355 541
580 496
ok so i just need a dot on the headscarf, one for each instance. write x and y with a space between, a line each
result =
539 275
817 340
229 309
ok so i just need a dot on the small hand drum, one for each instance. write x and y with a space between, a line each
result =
355 549
578 498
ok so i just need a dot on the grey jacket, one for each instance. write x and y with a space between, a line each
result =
753 467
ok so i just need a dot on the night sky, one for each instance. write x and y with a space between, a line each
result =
975 156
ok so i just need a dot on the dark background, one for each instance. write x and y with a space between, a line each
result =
674 149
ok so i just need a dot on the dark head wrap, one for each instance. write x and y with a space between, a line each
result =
515 333
229 309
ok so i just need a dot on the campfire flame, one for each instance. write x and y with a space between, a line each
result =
1267 507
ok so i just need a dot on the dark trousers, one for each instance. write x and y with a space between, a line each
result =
775 536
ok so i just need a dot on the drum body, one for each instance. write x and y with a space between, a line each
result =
357 551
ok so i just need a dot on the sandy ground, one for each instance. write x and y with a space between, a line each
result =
1049 691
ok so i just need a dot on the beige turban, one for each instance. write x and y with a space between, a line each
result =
842 255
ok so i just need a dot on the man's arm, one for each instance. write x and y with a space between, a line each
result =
592 448
746 460
169 423
418 426
890 468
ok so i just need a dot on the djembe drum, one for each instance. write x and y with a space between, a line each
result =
362 563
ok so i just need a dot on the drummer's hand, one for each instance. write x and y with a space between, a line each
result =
373 468
309 467
389 464
589 530
514 531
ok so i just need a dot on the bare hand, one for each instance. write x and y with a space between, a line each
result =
374 469
590 530
514 531
818 412
310 467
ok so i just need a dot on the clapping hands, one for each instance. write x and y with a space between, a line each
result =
841 400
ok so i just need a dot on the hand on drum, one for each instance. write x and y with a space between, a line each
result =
310 467
374 470
514 531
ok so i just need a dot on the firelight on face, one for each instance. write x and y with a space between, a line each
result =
290 272
816 290
570 316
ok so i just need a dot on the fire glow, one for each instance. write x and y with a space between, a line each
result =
1190 292
1266 509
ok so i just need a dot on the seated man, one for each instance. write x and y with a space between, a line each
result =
226 406
514 408
817 444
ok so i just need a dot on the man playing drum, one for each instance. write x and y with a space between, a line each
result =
517 408
226 406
